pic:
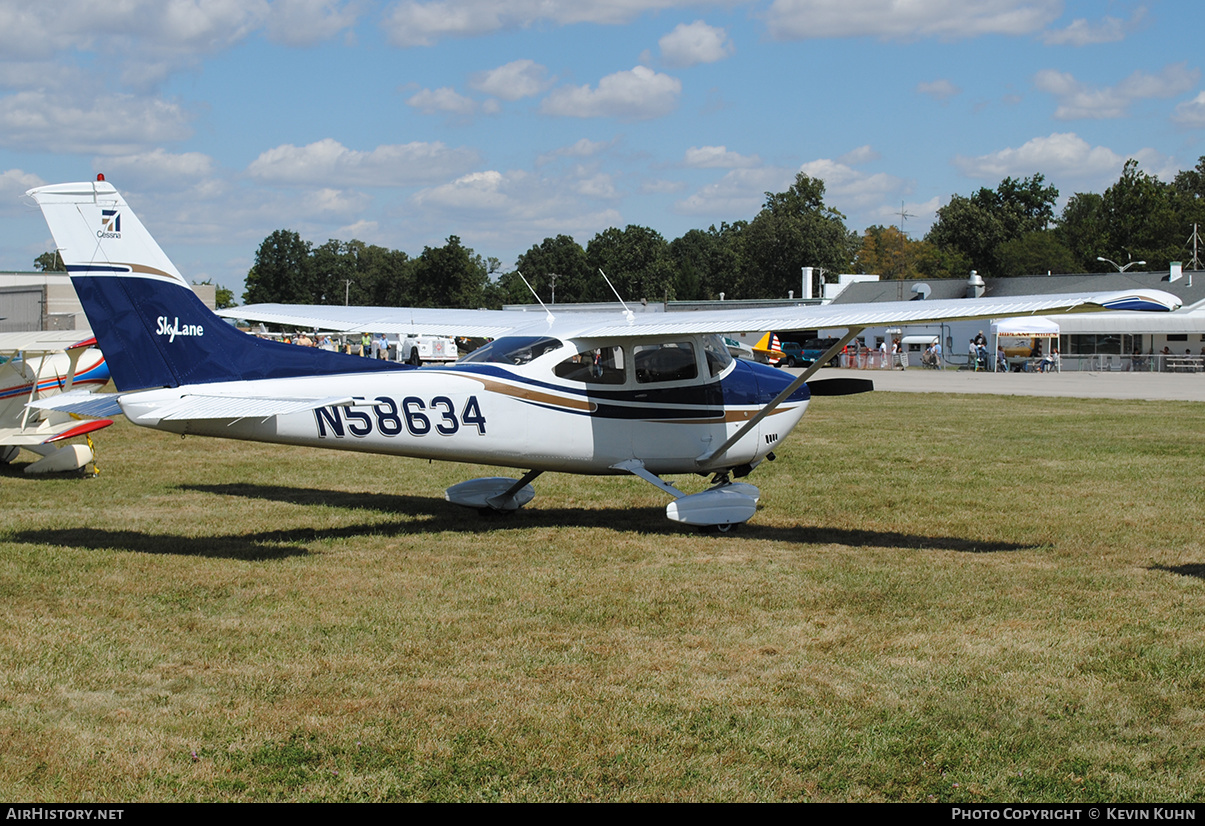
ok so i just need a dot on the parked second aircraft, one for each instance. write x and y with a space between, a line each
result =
37 366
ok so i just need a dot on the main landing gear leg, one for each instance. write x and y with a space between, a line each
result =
505 500
719 508
494 493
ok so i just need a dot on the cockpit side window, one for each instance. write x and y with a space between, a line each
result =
513 350
600 365
664 361
717 354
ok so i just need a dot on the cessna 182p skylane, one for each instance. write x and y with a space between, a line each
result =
648 395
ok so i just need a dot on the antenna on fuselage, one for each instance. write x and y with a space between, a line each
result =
627 313
547 312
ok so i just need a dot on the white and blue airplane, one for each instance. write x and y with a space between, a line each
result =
650 395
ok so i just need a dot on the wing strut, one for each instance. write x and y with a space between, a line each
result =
781 397
507 497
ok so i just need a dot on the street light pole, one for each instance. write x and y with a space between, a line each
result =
1119 267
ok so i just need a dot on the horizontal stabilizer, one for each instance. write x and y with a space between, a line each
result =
80 429
45 433
241 407
840 387
82 403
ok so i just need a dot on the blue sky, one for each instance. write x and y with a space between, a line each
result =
401 123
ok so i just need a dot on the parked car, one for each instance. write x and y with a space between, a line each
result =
803 355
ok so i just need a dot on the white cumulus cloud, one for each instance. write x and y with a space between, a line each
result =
329 162
938 89
305 22
908 19
414 23
1079 100
863 154
14 183
156 169
504 205
692 43
636 94
718 157
583 148
1062 154
1082 32
1191 113
444 99
515 80
740 193
847 189
105 124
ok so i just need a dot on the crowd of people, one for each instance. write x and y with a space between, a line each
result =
369 346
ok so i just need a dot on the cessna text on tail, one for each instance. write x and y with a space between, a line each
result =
650 395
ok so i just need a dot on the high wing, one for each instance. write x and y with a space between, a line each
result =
395 320
495 323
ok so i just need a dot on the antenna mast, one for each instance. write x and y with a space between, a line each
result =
547 312
904 216
1196 239
628 314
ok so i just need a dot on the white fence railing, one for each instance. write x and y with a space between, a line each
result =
1099 363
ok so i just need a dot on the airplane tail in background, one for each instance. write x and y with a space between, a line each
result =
151 327
769 346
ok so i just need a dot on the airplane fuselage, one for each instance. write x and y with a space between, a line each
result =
511 415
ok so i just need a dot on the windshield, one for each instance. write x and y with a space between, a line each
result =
513 350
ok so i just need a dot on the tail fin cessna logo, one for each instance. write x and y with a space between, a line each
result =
110 224
172 328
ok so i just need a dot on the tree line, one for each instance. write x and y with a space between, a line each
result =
1012 230
747 259
1006 231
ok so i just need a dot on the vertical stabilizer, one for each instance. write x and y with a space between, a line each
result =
151 327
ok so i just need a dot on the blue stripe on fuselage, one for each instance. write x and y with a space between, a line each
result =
747 384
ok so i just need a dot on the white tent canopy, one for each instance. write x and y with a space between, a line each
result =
1025 327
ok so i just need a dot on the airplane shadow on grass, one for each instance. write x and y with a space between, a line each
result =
1192 569
427 515
430 514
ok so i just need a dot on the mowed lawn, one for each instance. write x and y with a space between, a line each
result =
942 598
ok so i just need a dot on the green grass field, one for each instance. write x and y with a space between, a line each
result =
942 598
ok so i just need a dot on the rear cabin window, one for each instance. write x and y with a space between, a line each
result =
667 361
